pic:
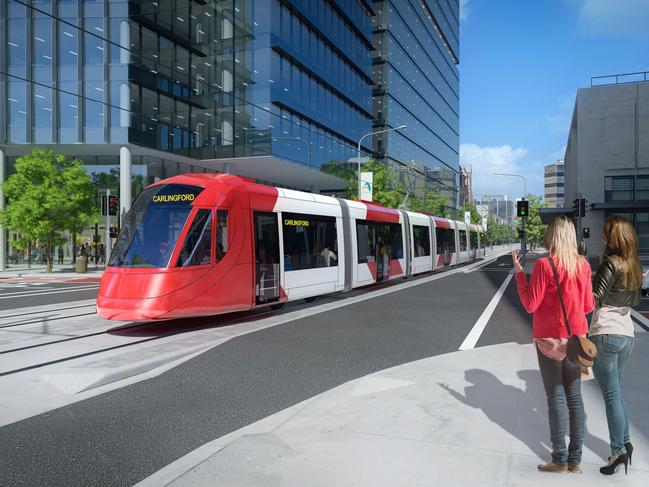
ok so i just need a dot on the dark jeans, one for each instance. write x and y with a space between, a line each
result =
562 383
612 353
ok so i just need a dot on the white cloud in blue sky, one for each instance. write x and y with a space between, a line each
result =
485 161
613 17
464 9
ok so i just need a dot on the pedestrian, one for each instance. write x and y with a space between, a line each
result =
561 378
616 288
60 255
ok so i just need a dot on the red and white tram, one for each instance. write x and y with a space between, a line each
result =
204 244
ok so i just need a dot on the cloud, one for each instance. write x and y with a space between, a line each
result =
464 10
559 122
613 17
485 161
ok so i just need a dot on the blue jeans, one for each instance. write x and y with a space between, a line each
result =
612 353
562 383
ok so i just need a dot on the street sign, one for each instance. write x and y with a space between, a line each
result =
467 217
367 185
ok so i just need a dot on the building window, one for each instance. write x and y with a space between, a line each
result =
642 188
618 188
310 241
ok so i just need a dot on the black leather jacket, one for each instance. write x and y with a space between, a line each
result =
609 290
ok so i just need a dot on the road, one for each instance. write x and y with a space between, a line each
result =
16 294
118 432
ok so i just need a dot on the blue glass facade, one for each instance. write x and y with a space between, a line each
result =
417 84
202 80
300 80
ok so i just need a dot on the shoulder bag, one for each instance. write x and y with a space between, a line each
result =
581 351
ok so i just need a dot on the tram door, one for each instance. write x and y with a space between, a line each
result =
266 257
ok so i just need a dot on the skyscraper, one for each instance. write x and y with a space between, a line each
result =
417 83
553 176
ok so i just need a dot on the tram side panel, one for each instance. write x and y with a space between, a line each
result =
312 244
421 242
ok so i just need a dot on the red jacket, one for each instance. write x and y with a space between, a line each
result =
540 297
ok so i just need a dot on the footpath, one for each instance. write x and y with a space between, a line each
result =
60 273
471 418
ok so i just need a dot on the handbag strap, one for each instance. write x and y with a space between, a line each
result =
563 308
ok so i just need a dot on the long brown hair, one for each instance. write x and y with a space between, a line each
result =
561 242
622 249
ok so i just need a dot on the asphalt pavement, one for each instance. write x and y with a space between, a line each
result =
21 294
123 436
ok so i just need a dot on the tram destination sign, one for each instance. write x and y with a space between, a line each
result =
175 194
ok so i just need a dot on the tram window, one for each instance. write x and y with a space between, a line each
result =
365 236
152 227
445 240
197 248
376 238
310 241
421 240
462 240
473 239
221 234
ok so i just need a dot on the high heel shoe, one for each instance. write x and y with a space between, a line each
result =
613 463
629 450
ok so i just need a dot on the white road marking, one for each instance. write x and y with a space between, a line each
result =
640 319
474 335
39 292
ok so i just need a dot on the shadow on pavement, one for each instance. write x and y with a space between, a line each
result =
486 386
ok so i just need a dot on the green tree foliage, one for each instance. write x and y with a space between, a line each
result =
470 207
432 202
534 229
499 233
48 194
388 190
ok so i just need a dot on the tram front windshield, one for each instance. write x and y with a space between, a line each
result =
152 227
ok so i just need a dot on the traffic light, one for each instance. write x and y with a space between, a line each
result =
579 207
113 231
109 206
112 205
521 233
522 208
585 233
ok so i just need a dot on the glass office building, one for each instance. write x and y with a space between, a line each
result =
417 83
271 89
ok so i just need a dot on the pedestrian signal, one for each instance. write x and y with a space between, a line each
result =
579 207
585 233
522 208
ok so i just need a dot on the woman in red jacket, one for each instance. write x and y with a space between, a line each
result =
561 378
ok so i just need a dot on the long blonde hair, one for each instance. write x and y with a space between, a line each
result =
622 249
561 242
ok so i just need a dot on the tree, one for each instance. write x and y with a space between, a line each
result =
432 202
48 194
476 218
534 229
387 190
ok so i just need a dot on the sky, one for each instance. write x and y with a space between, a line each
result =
521 64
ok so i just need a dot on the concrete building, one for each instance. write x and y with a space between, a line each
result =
553 176
466 190
500 207
607 156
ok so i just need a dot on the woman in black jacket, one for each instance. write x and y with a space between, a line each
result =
616 288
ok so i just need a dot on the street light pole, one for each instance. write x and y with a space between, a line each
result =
358 159
523 239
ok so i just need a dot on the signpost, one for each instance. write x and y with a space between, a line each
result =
367 185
